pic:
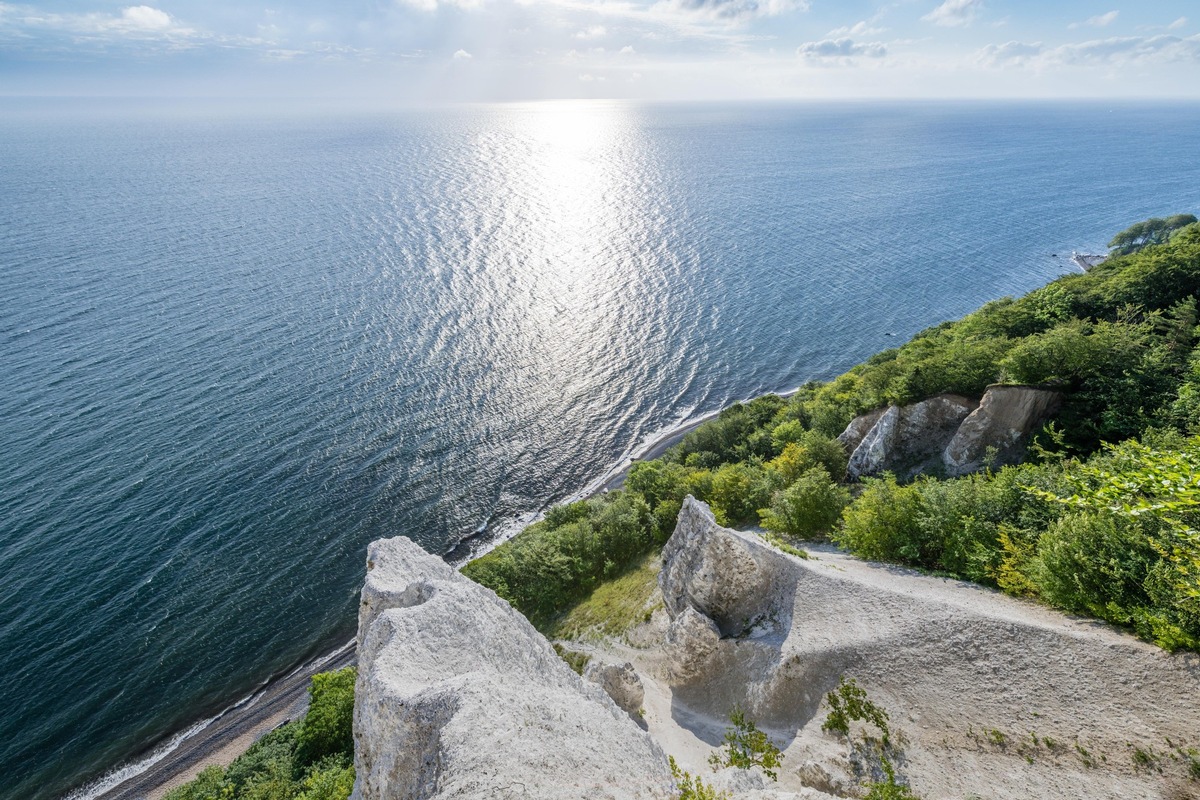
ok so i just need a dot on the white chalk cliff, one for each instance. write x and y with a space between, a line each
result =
990 696
459 697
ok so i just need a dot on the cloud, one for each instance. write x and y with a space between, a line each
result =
1113 51
146 18
863 28
593 32
732 10
1010 53
1177 24
1099 21
843 48
134 22
462 55
954 13
1130 49
627 50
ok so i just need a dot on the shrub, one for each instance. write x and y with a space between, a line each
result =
330 779
849 703
546 568
807 508
883 523
738 491
746 746
210 784
328 727
692 787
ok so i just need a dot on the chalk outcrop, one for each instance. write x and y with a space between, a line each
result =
620 682
990 693
1007 416
909 439
948 433
459 697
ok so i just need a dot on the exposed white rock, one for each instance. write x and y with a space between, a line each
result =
1004 421
906 439
858 429
715 574
993 696
620 682
459 697
692 641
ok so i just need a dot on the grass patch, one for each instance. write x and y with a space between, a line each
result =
613 607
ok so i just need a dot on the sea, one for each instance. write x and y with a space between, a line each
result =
237 345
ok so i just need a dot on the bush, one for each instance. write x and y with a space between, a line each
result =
883 524
328 727
807 508
546 568
746 746
738 491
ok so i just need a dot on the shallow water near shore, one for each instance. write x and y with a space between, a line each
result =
234 349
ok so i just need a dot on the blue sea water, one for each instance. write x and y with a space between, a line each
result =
234 348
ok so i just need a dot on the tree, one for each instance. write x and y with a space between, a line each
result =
1156 230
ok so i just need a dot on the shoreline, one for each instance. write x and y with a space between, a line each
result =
221 739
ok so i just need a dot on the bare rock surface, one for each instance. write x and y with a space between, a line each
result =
620 682
1004 421
715 574
908 439
858 429
989 696
459 697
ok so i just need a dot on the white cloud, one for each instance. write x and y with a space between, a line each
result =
1177 24
627 50
1113 51
1098 21
462 55
954 13
145 18
732 10
593 32
1010 53
863 28
844 48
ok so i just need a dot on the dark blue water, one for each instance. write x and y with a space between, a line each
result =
235 349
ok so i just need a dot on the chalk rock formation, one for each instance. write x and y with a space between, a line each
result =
947 661
715 574
692 640
620 682
858 429
1005 419
459 697
907 439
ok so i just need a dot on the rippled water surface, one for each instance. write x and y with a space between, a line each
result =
235 349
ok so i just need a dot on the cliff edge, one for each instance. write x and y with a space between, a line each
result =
459 697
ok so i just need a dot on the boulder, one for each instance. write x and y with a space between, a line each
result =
692 641
459 697
713 571
1007 416
620 682
909 439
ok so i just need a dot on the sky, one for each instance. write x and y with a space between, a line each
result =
418 51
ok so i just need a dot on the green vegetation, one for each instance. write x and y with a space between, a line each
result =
691 787
1102 520
614 606
849 703
307 759
746 746
1152 231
